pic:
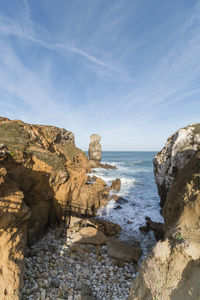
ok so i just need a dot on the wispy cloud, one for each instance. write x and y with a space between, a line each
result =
177 71
100 71
26 31
31 92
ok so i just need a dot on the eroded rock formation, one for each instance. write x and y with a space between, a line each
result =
116 185
172 271
95 148
157 228
172 158
95 153
42 179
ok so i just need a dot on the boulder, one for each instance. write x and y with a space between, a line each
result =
118 207
97 164
122 251
157 228
116 185
107 166
90 235
107 227
95 148
121 200
144 229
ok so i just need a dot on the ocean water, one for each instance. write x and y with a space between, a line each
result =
135 170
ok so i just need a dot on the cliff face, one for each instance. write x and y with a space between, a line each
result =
172 158
43 176
14 216
173 269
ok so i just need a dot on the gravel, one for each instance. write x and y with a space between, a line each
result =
52 272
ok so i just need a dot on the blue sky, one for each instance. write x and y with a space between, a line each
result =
128 70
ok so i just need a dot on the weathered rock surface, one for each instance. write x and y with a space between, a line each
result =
122 251
156 227
172 158
43 180
172 271
119 199
95 148
116 185
95 153
108 228
14 217
107 166
92 231
90 235
97 164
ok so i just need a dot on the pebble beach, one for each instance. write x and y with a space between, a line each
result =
53 271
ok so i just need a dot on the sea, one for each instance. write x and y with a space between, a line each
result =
135 170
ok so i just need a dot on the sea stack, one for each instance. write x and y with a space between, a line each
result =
95 148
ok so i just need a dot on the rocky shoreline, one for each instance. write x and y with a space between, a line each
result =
45 188
43 180
55 271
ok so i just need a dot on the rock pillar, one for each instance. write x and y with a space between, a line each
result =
95 148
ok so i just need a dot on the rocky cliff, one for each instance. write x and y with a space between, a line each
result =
43 177
172 158
172 271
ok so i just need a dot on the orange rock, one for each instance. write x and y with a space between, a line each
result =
116 185
90 235
42 179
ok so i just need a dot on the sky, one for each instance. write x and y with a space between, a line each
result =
128 70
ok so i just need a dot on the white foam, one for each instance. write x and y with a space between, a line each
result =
113 163
137 186
135 162
128 181
105 211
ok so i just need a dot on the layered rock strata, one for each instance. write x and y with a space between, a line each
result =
172 158
43 180
172 271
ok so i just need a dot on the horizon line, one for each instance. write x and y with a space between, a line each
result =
127 150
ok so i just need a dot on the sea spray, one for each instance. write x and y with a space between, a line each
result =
135 170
